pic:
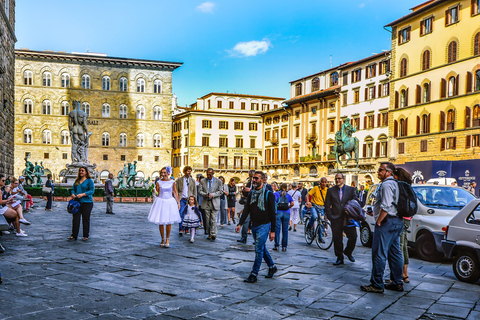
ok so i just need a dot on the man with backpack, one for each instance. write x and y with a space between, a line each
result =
284 203
386 238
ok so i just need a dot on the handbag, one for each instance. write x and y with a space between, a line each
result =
73 206
46 189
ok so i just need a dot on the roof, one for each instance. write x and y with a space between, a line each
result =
239 95
372 57
314 95
417 10
96 58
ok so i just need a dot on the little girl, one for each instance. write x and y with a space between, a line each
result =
192 217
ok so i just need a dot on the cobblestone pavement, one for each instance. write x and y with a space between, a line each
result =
123 273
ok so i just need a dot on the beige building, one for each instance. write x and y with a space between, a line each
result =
221 131
129 103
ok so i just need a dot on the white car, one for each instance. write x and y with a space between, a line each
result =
437 204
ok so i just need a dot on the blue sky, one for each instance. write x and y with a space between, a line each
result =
249 47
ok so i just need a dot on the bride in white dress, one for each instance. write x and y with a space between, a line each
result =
165 208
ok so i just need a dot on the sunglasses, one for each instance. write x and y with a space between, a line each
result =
255 178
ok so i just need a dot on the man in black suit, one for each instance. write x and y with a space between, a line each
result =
362 196
335 201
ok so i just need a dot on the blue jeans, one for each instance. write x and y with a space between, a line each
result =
386 246
183 204
222 213
283 218
315 210
260 235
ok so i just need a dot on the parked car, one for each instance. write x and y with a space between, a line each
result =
437 204
462 242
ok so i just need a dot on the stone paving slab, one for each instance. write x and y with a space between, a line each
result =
121 272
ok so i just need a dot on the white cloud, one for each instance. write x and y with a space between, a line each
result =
206 7
361 5
251 48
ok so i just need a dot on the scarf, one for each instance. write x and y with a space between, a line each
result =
259 196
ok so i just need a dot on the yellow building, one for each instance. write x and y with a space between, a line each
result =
129 103
222 131
435 101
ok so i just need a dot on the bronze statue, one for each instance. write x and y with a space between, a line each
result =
345 143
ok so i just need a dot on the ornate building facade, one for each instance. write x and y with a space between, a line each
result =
129 103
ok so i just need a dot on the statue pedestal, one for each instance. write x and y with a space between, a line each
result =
72 172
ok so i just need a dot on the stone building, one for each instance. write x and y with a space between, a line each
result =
221 131
129 103
7 72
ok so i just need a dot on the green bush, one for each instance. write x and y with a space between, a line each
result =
99 192
139 193
34 192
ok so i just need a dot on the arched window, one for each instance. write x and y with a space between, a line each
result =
123 111
86 108
451 119
64 137
476 45
140 85
425 124
28 78
105 139
105 110
46 137
315 84
403 67
106 83
140 112
426 60
122 140
157 113
477 80
298 89
86 81
65 108
452 51
476 116
157 86
47 107
140 140
65 80
123 84
426 93
451 86
28 106
403 127
47 79
27 136
334 79
403 97
157 141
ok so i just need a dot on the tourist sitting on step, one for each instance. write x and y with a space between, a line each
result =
11 214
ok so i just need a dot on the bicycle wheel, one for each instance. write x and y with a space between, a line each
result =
309 235
324 236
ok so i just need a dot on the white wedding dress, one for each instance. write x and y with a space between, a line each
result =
165 208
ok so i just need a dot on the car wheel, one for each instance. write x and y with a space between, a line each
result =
366 236
426 248
466 267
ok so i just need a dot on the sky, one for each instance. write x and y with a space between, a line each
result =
248 47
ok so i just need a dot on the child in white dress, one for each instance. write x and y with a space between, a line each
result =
192 217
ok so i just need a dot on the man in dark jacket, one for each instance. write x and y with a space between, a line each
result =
362 196
335 201
109 193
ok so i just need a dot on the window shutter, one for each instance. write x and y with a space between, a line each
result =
377 149
428 92
386 118
467 117
408 33
418 125
365 122
454 143
388 87
396 99
364 150
428 124
373 121
374 93
468 82
472 8
399 38
442 144
379 120
418 94
380 90
447 15
454 112
405 133
468 141
395 128
442 121
366 94
443 88
406 98
457 82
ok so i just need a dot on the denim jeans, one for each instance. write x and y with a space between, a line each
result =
386 246
222 213
283 219
183 204
315 210
260 235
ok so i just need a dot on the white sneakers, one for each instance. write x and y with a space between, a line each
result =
24 221
21 234
191 240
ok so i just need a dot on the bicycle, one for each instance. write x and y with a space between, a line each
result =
323 232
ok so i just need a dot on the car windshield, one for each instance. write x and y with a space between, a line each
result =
443 197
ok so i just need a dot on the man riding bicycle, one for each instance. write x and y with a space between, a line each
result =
316 201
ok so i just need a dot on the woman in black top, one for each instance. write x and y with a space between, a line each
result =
231 199
49 195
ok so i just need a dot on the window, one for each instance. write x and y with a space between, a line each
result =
451 119
140 85
242 105
315 84
123 111
403 127
223 142
219 104
238 142
384 120
28 78
238 125
86 81
452 52
105 83
426 93
122 141
223 125
205 141
252 162
27 136
222 162
451 15
207 124
140 140
331 126
65 80
157 141
64 137
105 110
370 71
157 113
356 96
157 86
140 112
105 139
344 99
384 67
28 106
449 143
356 75
451 86
47 107
186 141
476 140
423 145
426 60
386 89
254 106
185 124
425 124
46 155
426 26
401 147
476 44
252 143
231 104
404 35
237 162
334 79
64 156
47 79
105 158
140 158
283 133
267 135
371 93
403 67
370 121
86 108
46 137
403 98
253 126
122 157
345 78
298 89
477 80
123 84
357 123
475 7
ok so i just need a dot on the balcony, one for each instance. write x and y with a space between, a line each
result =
274 141
311 138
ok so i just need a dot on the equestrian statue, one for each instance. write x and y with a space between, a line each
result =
345 143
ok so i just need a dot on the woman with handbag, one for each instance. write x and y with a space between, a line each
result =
82 191
49 189
231 199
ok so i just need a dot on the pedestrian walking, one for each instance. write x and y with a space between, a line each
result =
49 184
295 210
109 193
386 238
222 214
335 201
248 185
231 200
284 202
165 210
82 191
191 217
186 187
304 192
316 202
200 201
260 207
211 190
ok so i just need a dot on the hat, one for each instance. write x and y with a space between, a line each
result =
21 177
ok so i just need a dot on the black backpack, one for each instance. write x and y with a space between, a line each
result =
282 203
407 200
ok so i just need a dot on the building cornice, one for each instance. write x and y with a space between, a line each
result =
314 95
213 113
417 12
9 25
219 94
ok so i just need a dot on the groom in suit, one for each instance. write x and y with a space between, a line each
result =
335 201
211 190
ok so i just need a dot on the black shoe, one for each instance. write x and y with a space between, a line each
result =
350 257
275 248
242 241
294 230
180 234
371 288
338 262
284 249
213 238
251 279
110 213
394 287
271 272
290 229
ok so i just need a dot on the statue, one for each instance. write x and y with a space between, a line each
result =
345 143
29 172
131 173
77 124
42 168
38 174
120 180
